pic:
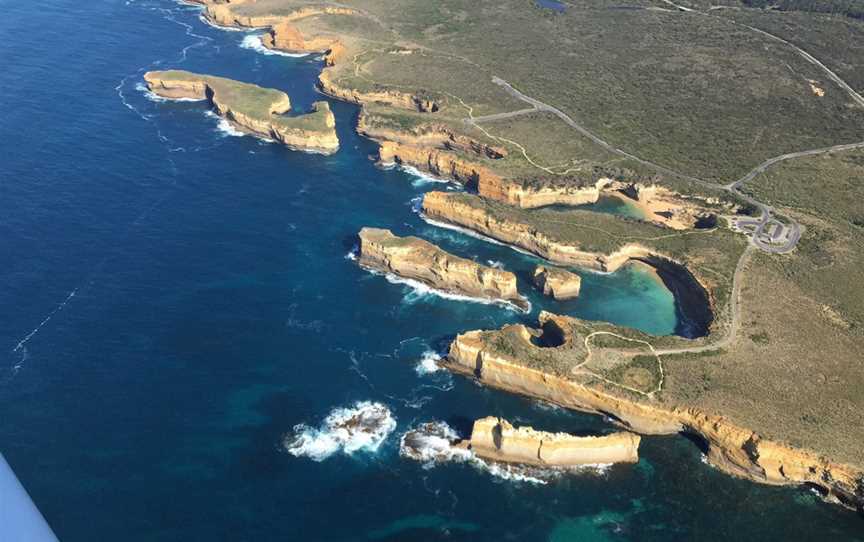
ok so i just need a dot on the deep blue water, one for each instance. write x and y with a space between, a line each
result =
175 300
552 4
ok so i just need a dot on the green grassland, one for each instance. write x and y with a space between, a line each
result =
254 101
697 94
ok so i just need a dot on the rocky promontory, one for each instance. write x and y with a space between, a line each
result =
252 109
416 259
474 214
557 283
285 36
497 440
555 365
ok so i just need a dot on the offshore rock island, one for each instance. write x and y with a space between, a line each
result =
496 439
416 259
769 384
256 110
556 282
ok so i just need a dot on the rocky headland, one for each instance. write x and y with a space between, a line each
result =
284 36
468 212
416 259
553 369
253 109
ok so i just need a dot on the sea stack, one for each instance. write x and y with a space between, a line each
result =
557 283
417 259
497 440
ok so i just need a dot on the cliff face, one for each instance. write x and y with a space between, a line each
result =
253 109
286 37
444 207
430 151
496 439
414 258
225 14
430 134
731 448
557 283
393 98
439 163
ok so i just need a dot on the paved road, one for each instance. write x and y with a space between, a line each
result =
791 232
811 59
502 116
765 219
770 162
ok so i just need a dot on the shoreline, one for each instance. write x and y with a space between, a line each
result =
839 492
732 449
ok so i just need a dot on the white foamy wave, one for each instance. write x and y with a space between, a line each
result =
538 475
420 291
227 129
433 442
352 254
495 264
436 442
428 363
223 126
362 427
208 22
513 473
549 407
253 42
420 177
418 208
470 233
416 205
153 97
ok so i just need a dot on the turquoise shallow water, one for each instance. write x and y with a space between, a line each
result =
607 204
176 300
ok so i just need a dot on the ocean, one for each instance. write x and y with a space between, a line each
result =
179 302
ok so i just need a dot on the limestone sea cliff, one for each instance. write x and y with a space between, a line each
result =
729 447
497 440
417 259
393 98
284 36
251 108
460 211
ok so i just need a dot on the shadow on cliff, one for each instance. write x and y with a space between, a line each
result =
693 310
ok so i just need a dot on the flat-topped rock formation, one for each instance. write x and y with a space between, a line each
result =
287 37
498 440
253 109
557 283
417 259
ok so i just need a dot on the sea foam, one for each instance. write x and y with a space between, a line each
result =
436 442
362 427
223 126
153 97
420 291
428 363
253 42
